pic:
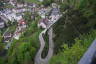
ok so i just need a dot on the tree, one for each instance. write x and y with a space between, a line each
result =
72 55
47 2
21 1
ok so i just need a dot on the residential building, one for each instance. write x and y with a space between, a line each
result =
43 23
20 29
2 23
22 23
10 15
42 12
7 37
55 14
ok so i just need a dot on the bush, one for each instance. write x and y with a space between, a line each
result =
47 2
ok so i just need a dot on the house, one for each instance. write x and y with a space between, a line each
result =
55 11
42 12
19 5
7 37
55 14
2 23
32 5
10 15
41 0
22 23
18 17
20 29
7 13
43 23
4 19
12 2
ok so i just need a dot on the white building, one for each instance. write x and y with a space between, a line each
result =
42 12
43 23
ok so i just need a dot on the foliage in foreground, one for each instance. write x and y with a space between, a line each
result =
80 18
72 55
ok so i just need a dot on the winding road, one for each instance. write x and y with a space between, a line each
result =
38 57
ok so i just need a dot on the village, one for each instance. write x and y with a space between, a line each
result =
15 16
47 31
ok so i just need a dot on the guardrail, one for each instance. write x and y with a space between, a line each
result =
89 54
